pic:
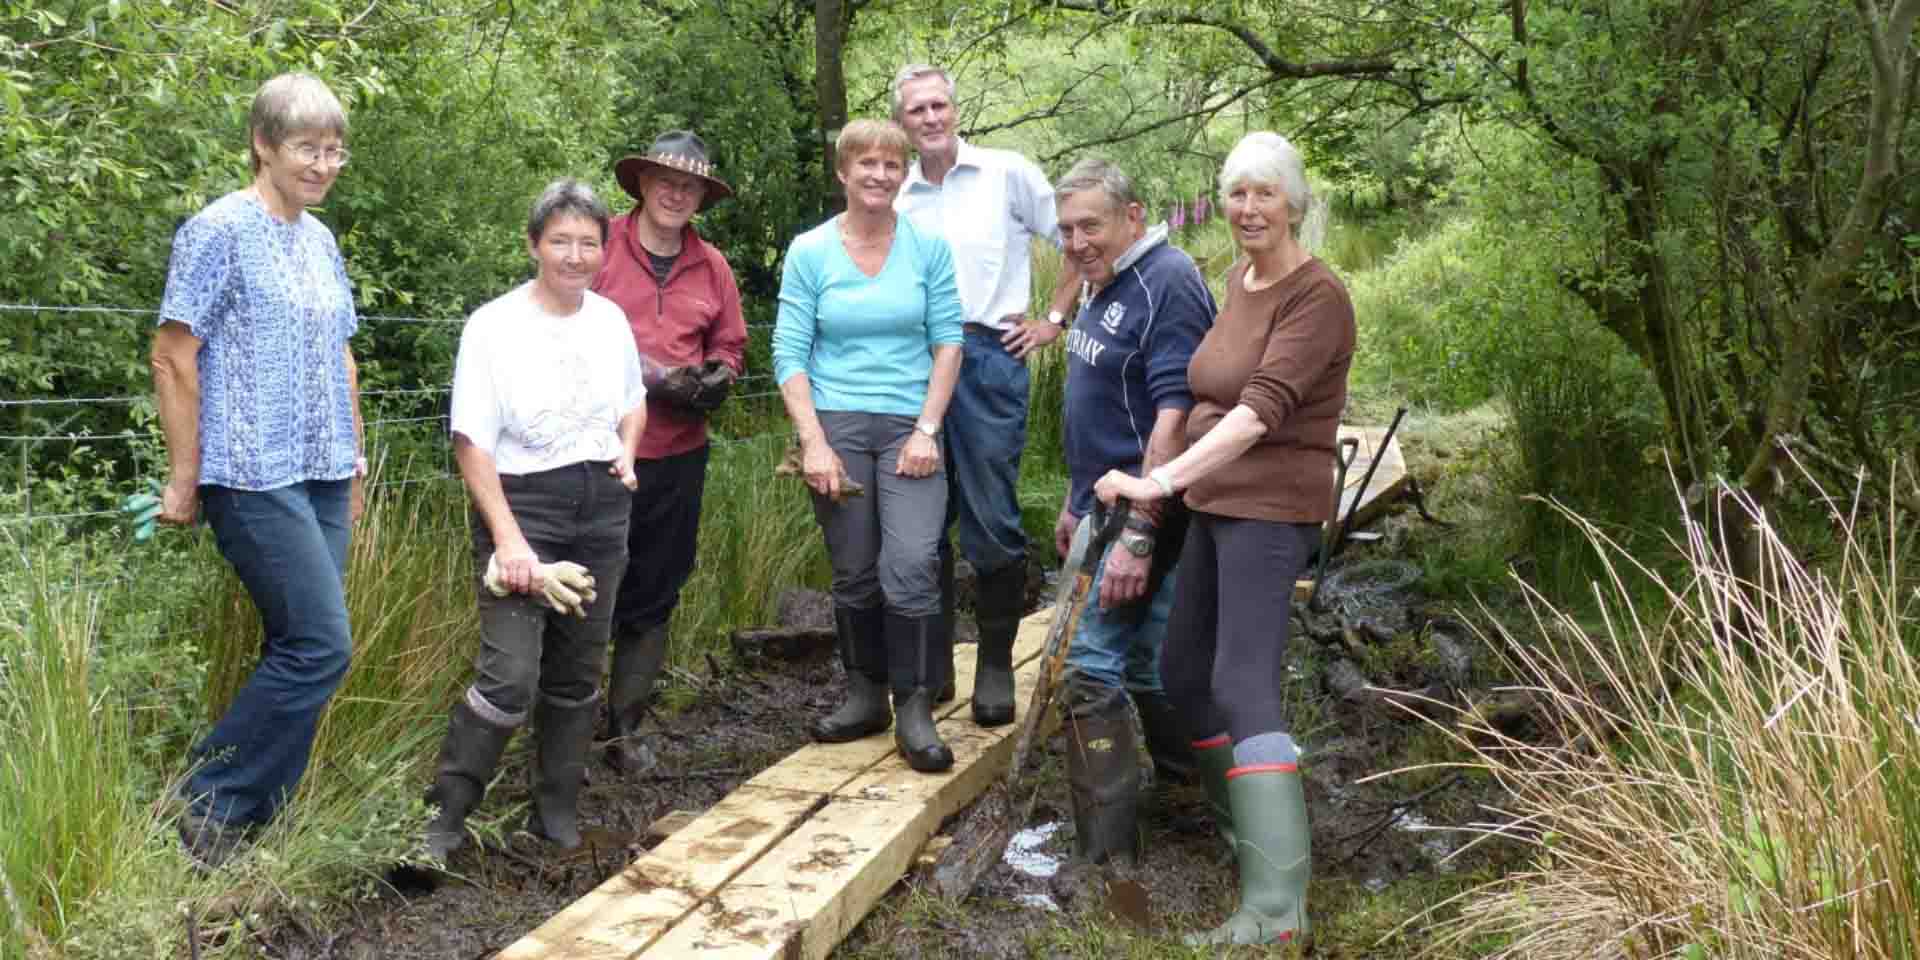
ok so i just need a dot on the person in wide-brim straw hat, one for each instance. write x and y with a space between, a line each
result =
680 150
683 307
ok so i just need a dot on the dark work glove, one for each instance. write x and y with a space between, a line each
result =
679 386
716 381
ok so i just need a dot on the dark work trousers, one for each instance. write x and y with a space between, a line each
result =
577 512
663 538
882 544
1227 632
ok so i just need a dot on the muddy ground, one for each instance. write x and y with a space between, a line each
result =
746 713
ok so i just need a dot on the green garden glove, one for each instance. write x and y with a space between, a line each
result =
143 512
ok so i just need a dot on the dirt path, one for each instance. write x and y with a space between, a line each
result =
756 713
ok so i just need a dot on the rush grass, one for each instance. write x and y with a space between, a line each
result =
1737 776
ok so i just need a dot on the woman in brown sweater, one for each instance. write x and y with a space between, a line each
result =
1269 383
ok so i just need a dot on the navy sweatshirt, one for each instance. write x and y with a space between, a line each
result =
1127 359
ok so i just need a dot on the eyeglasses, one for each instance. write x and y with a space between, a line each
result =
309 154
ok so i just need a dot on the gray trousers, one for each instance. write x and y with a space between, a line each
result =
577 512
882 544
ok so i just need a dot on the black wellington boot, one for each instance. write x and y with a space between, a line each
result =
1003 595
1103 773
1167 740
467 760
947 621
863 652
638 656
564 732
911 644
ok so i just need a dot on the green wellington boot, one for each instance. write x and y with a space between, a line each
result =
1213 757
1270 820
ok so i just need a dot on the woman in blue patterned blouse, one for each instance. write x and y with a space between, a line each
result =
258 399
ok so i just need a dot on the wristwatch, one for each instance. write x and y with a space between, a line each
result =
1138 544
1056 318
932 430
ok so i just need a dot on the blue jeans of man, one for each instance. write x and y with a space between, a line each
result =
289 547
1121 648
986 431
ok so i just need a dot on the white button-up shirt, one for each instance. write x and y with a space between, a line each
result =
989 207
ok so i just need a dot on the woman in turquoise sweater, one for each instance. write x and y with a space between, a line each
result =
866 351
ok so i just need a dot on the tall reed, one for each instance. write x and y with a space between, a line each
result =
1736 776
70 817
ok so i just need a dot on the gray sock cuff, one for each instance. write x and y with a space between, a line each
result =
1265 748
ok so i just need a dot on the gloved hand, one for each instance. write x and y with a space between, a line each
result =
143 512
563 585
679 386
716 381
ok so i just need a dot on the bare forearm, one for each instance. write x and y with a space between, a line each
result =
176 389
946 373
631 427
797 393
1066 290
1238 431
1168 441
482 478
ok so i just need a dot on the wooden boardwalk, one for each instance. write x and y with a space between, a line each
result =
788 863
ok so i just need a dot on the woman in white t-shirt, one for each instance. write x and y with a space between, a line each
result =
547 406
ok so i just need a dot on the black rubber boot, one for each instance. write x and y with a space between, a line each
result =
947 621
467 759
863 652
1167 740
638 656
911 643
1003 595
1103 773
564 729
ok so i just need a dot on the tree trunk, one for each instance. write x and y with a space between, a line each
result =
831 20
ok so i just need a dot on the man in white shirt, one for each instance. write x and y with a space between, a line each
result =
990 205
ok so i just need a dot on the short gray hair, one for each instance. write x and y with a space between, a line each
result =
293 103
914 71
566 197
1267 158
1095 173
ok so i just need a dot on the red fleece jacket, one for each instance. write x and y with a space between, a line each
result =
694 318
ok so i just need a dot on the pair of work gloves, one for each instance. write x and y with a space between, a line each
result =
142 512
701 388
565 586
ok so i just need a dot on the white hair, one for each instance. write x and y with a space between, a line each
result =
912 72
289 104
1265 157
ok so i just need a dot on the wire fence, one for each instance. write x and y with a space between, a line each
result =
56 478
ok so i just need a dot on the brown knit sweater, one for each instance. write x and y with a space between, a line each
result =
1284 352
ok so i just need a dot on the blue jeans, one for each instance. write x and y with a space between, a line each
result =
1121 648
289 547
986 431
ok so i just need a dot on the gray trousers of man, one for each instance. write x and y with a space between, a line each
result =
883 544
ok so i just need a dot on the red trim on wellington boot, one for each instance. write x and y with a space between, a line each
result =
1264 768
1212 742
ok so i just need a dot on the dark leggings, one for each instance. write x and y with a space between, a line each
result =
1228 629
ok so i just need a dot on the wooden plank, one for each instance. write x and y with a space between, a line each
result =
634 907
803 896
980 756
755 875
1388 480
670 823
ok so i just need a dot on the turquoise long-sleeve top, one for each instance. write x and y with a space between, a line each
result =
865 343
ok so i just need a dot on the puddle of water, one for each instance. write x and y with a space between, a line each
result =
1435 845
1038 901
1024 853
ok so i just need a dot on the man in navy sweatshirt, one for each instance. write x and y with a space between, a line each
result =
1145 309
